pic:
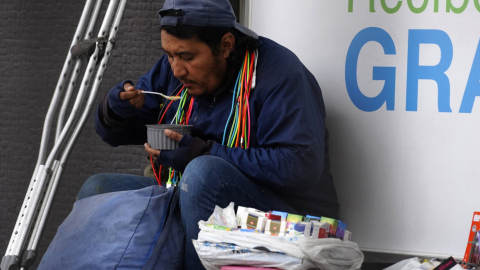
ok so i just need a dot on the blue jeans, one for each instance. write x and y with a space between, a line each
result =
206 182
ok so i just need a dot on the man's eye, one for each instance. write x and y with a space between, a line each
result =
188 58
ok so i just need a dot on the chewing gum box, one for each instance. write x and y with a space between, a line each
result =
298 228
472 251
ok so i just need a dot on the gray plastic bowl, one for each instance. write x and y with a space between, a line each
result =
158 140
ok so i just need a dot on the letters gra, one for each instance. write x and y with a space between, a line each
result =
415 71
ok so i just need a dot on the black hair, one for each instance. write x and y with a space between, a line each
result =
212 37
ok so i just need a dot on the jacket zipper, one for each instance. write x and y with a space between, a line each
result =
200 112
213 102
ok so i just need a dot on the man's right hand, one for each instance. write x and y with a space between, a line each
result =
136 97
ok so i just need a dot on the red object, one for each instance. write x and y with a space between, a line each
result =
157 177
273 217
322 233
472 251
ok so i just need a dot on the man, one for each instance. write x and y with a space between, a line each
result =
285 166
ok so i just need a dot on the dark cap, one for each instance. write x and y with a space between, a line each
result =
202 13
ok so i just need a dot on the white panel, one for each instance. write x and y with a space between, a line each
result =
407 181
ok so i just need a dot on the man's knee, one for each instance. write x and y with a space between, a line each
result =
92 186
202 177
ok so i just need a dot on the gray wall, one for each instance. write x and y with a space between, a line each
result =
35 38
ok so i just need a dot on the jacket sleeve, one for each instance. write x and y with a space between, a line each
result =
291 136
132 130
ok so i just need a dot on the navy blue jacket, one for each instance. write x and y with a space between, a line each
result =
289 142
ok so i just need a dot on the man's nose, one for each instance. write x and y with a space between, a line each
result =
179 69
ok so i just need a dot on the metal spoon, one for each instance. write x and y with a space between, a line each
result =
165 96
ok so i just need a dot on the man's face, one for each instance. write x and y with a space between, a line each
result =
194 64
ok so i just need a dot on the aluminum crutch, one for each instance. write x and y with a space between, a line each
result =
60 165
30 251
51 168
10 257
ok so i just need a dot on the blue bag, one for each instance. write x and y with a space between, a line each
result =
137 229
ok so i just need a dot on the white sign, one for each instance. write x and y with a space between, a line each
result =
400 81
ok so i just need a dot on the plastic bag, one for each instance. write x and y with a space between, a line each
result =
224 216
332 253
327 253
132 229
216 255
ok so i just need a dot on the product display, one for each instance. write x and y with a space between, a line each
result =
267 239
277 223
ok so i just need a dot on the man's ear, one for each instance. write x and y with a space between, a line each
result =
227 44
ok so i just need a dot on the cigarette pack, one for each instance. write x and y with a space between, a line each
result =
282 214
241 210
255 221
341 230
274 225
320 230
347 236
245 230
294 218
217 227
308 229
333 225
312 218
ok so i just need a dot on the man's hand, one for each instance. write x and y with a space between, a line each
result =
136 97
188 149
169 133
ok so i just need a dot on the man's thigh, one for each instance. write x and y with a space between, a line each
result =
111 182
209 181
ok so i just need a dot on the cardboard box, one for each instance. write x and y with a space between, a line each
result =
472 253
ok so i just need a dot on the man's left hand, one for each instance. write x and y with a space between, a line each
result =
169 133
188 149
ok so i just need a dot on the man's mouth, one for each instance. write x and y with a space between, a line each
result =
187 83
